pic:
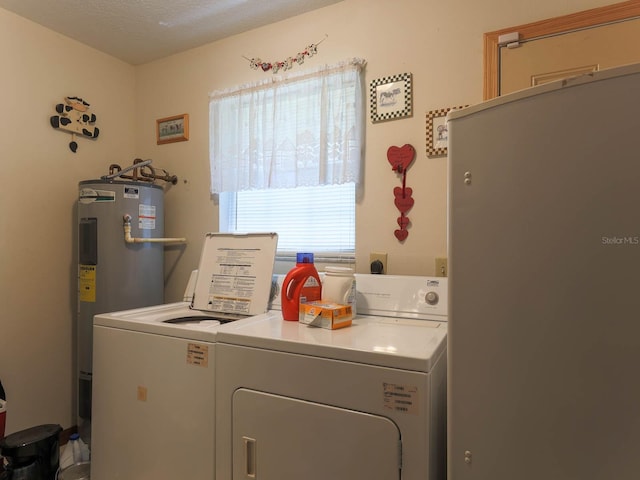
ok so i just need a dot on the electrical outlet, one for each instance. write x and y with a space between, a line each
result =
441 267
381 257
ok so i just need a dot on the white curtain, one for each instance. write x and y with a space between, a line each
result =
299 130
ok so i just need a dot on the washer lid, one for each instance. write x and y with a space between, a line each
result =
162 320
234 273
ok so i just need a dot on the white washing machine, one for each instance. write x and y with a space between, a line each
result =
154 368
364 402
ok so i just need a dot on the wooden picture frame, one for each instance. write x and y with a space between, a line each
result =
437 132
172 129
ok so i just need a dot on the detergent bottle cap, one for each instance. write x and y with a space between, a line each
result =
304 258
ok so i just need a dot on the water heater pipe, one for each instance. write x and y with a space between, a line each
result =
138 164
139 172
129 239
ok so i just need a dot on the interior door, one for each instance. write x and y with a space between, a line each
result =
526 55
282 438
551 58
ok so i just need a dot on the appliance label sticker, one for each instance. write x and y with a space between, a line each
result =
89 195
87 283
401 398
147 217
198 354
131 192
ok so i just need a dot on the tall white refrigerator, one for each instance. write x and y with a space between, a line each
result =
544 310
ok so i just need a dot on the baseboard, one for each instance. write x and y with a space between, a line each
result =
65 434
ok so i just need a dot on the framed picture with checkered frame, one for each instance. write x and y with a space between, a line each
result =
437 131
390 97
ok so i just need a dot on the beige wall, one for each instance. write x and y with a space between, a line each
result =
440 43
39 176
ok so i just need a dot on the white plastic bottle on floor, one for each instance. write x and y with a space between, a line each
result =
75 448
66 456
79 448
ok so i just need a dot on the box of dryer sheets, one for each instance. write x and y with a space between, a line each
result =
326 315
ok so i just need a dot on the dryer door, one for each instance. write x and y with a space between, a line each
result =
281 438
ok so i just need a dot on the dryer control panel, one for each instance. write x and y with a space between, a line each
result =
418 297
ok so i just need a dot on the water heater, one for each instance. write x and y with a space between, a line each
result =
115 272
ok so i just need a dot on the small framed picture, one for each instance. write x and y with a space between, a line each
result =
390 98
172 129
437 131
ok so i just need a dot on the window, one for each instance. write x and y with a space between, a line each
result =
286 155
320 219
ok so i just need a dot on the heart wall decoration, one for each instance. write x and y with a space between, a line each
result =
400 159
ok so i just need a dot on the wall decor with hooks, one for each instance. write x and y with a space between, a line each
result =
400 159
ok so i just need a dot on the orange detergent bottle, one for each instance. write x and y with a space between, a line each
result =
302 284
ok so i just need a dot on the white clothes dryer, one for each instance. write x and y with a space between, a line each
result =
363 402
154 367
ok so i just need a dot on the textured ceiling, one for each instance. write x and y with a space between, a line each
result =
139 31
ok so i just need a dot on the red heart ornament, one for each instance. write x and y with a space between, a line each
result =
400 157
403 202
401 234
403 222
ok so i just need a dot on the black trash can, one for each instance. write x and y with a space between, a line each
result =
32 454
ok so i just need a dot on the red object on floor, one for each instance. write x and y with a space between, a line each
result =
3 417
3 420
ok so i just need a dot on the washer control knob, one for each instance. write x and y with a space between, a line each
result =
432 298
